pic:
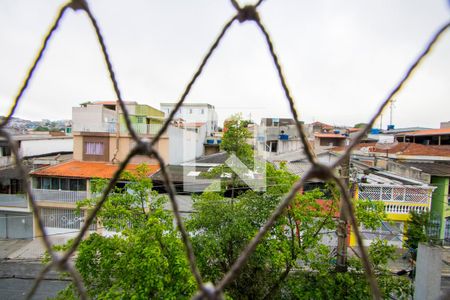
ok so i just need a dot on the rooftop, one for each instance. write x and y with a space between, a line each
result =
330 135
83 169
439 131
403 149
436 169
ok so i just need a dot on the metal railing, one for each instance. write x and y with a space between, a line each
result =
59 195
6 161
398 193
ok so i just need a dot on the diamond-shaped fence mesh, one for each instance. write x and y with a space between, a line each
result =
247 13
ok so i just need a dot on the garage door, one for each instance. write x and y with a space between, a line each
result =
16 225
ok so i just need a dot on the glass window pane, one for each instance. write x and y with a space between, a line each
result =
82 184
64 184
55 183
73 184
46 183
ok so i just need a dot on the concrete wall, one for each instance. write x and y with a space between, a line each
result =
94 118
427 284
77 147
193 113
409 172
184 145
439 201
45 146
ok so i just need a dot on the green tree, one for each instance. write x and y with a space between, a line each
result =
223 228
416 231
145 259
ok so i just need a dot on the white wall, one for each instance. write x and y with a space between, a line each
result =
45 146
92 118
193 113
184 145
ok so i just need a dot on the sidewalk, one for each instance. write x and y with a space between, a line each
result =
30 249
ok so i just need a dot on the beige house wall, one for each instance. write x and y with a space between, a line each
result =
78 147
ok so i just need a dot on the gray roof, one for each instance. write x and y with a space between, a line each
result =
432 168
216 158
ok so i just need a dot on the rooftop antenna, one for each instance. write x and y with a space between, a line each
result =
391 110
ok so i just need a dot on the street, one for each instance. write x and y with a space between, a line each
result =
15 288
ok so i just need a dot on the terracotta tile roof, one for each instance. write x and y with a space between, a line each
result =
354 129
427 132
404 149
194 124
323 125
112 102
330 135
84 169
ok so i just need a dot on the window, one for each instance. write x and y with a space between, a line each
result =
141 119
55 184
94 148
46 182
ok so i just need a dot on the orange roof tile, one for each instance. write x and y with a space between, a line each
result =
405 149
84 169
330 135
194 124
354 129
317 123
427 132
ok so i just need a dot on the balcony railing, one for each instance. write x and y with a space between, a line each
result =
59 195
150 129
13 200
100 127
398 193
147 129
6 161
403 209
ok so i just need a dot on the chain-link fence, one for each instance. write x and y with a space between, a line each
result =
248 13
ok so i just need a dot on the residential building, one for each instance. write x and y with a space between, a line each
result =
428 165
100 133
439 136
101 142
57 189
194 113
275 136
16 219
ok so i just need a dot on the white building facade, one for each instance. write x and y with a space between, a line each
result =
194 113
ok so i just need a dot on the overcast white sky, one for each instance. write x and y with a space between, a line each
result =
340 58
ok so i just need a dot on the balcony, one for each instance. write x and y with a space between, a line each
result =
398 199
59 196
6 161
108 127
141 128
14 200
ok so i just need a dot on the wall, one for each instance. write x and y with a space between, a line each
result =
439 201
45 146
94 118
409 172
184 145
209 115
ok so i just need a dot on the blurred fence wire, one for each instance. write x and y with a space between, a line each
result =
248 13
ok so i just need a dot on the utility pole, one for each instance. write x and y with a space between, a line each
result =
341 261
